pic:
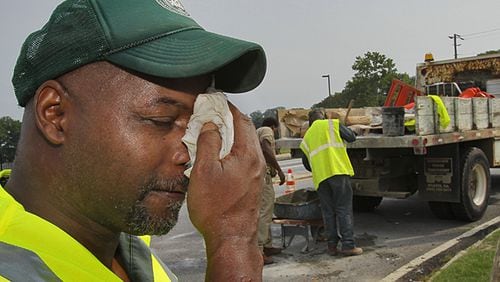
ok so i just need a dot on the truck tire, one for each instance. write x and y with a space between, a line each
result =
365 203
475 186
296 153
442 210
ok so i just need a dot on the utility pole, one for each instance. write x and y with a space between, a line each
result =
454 37
329 89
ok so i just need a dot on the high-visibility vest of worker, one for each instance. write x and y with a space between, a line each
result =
325 155
31 246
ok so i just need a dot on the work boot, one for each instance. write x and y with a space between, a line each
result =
332 250
271 251
267 259
351 252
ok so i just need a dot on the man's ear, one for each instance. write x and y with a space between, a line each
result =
50 108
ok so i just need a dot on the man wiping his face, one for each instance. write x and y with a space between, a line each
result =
109 88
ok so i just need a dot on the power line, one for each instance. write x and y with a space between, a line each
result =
481 32
480 36
492 33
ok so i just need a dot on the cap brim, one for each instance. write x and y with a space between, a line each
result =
238 65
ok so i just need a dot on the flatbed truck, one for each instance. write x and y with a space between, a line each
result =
448 167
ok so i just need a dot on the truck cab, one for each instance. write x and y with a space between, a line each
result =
451 77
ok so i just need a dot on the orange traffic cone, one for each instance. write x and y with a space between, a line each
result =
290 182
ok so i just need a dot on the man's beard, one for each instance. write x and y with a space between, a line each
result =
142 222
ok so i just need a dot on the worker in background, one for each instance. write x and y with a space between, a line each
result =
108 88
266 135
326 157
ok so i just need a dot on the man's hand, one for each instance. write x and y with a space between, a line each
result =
223 201
282 177
270 158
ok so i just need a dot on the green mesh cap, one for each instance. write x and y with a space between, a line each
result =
156 37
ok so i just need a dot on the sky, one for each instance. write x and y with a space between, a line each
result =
303 40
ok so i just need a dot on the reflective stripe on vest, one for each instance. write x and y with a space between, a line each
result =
161 272
332 142
325 150
18 264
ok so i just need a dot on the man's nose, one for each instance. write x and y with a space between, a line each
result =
181 155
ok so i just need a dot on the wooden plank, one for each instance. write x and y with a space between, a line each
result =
364 130
313 222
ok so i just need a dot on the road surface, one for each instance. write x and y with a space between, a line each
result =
394 234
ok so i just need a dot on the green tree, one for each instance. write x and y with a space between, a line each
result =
258 116
9 136
338 100
489 52
373 75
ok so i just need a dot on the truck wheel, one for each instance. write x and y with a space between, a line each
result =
296 153
442 210
475 186
365 203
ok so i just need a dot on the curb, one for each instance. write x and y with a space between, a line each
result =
418 268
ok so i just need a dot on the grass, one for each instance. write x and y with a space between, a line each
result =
475 265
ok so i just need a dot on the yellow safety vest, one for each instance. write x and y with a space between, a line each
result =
325 150
5 173
444 117
32 249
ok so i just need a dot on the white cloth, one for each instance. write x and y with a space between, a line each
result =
209 107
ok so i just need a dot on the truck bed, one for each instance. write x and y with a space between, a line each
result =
415 141
374 140
470 120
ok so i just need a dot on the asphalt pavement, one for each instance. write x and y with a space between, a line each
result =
402 241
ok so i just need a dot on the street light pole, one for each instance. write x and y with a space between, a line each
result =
329 89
